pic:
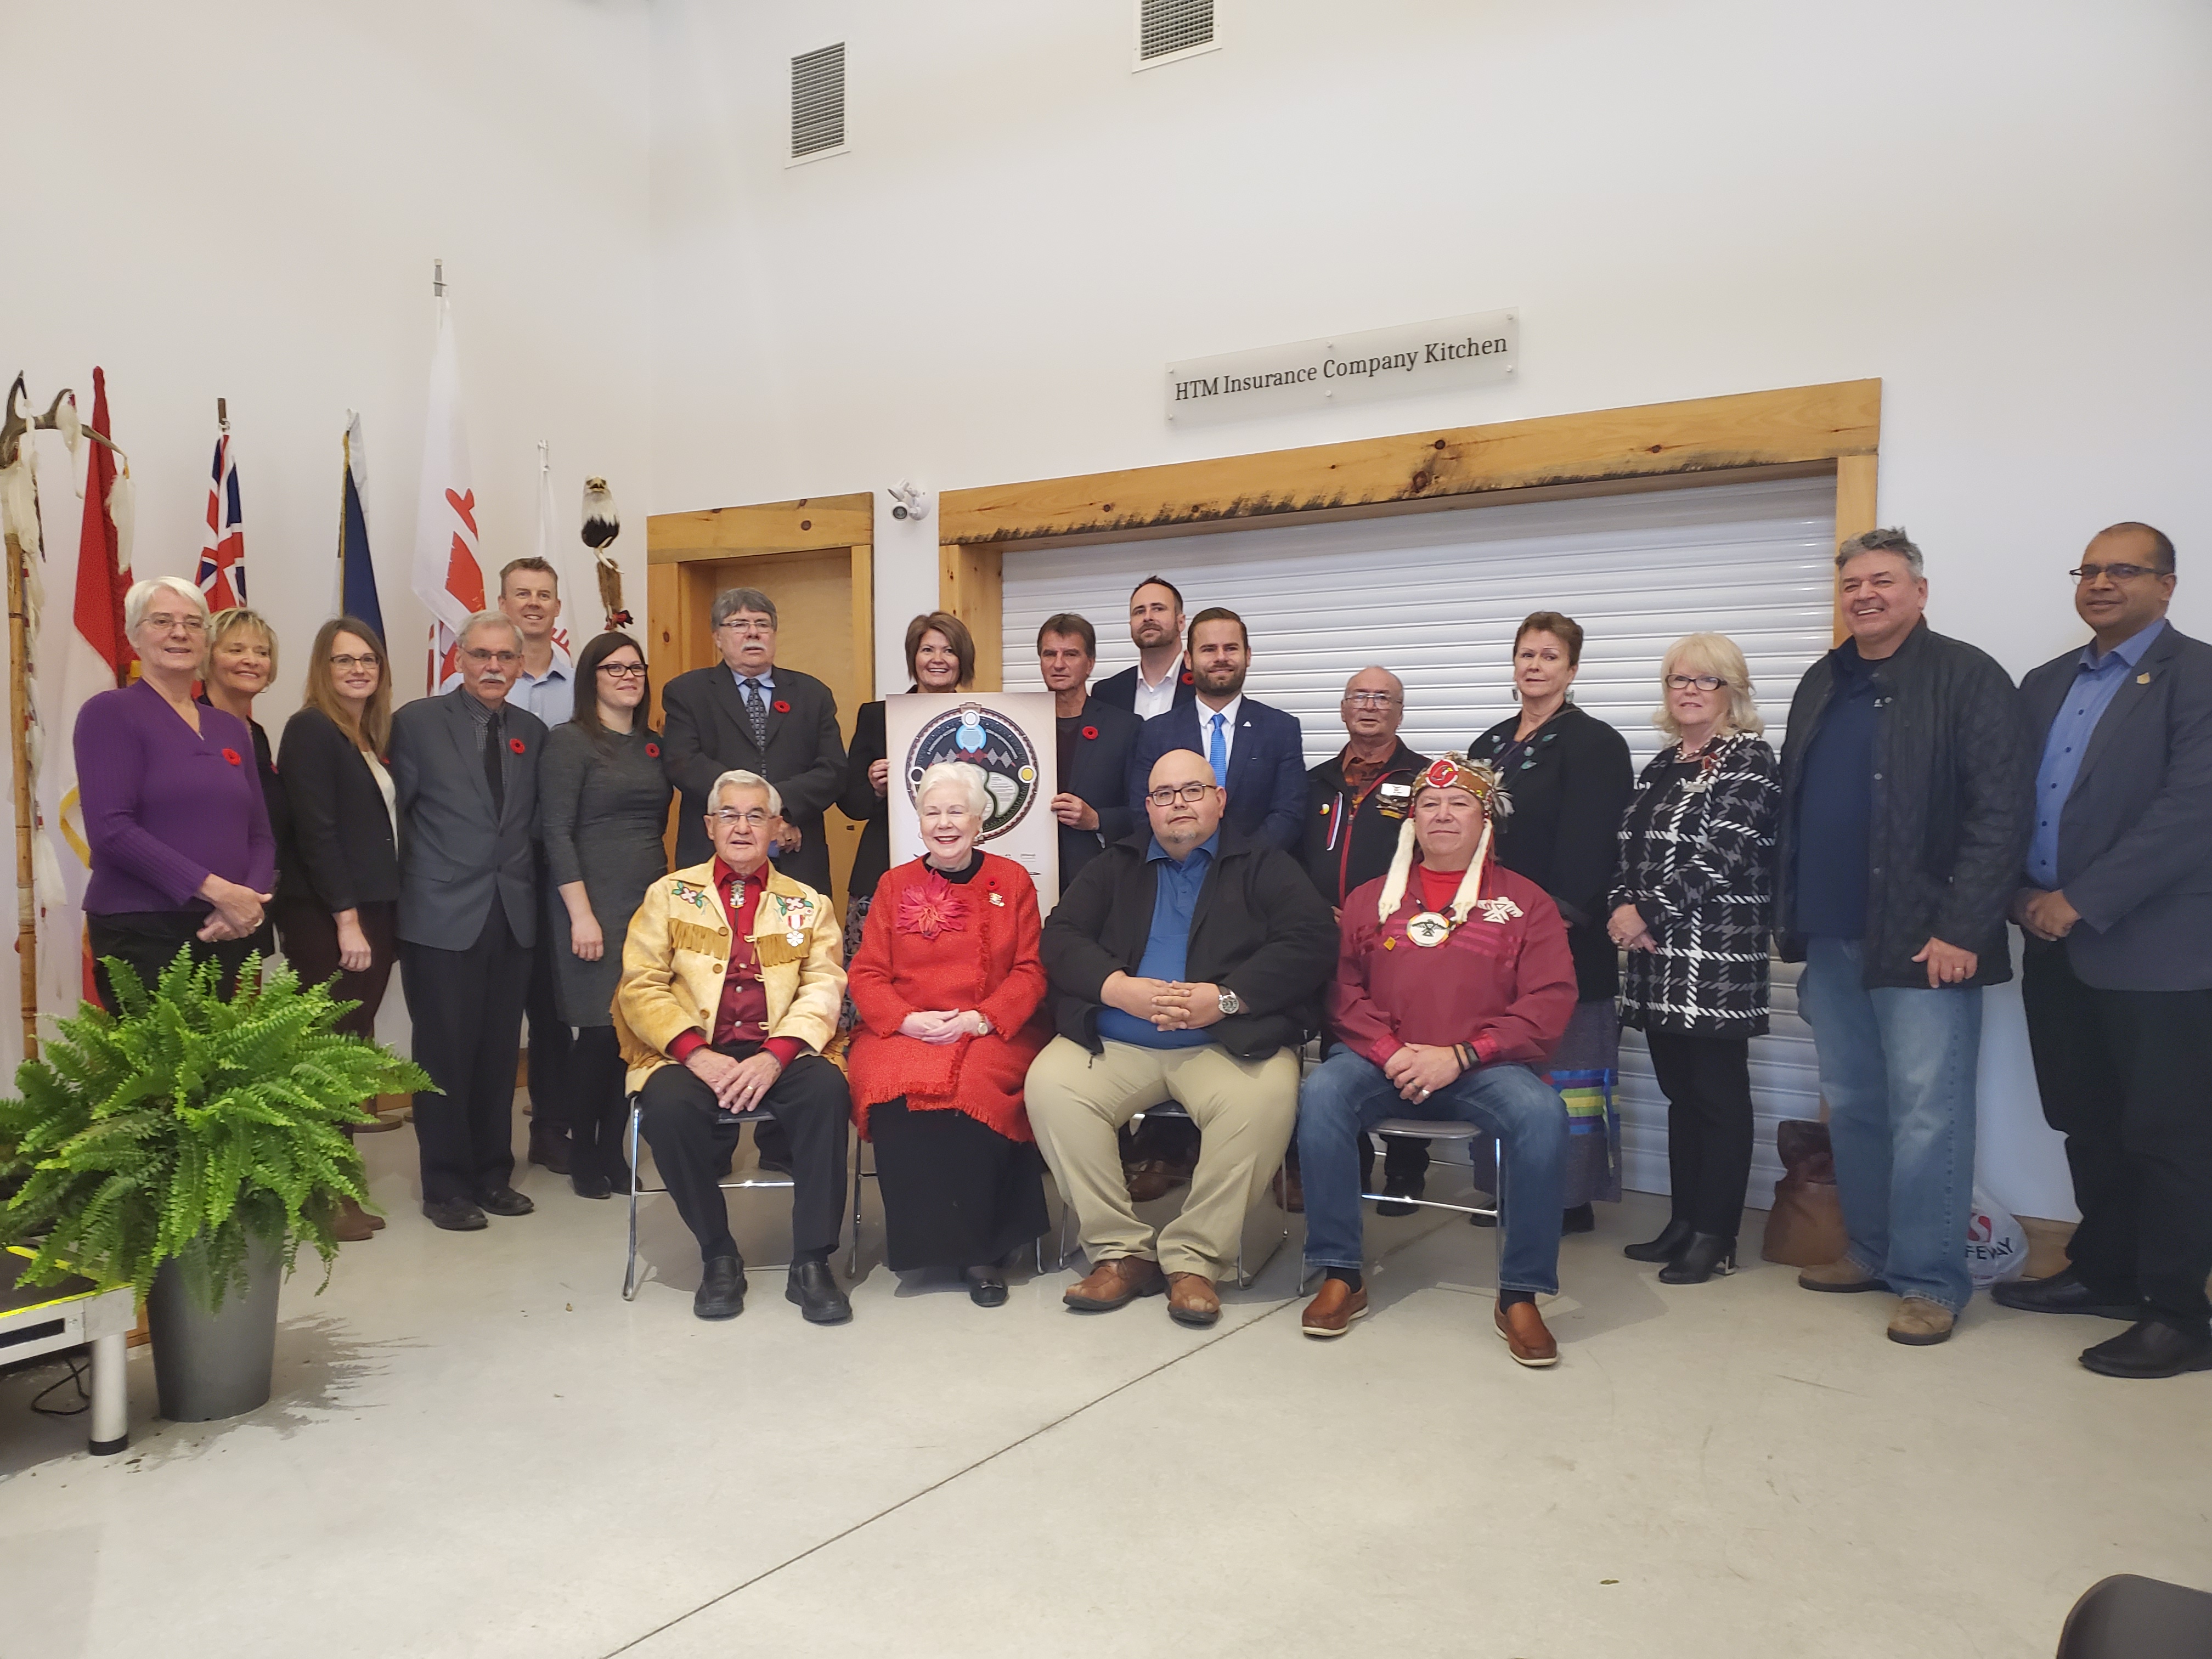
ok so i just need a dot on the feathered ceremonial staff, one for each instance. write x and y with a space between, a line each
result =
601 526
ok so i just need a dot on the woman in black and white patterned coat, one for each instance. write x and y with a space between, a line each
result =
1690 908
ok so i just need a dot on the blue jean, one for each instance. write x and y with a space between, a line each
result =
1346 1096
1897 1068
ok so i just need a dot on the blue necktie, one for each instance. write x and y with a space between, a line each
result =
1217 750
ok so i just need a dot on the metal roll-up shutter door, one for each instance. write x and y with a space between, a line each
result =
1435 597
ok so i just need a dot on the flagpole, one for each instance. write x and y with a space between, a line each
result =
19 733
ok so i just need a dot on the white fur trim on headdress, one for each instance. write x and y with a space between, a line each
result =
1455 771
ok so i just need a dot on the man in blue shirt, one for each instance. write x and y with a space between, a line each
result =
2116 967
1187 964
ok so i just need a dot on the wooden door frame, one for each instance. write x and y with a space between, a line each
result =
815 523
1832 430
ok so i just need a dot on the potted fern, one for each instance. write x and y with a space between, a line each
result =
188 1145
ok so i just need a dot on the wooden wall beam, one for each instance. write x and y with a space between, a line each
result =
864 619
1856 477
1756 428
809 525
968 585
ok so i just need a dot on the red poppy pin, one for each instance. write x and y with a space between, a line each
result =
653 750
516 745
1091 734
231 755
781 706
1186 677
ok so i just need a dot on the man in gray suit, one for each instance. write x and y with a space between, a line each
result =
750 714
465 770
2116 971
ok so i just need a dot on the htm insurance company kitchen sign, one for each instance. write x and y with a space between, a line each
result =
1482 349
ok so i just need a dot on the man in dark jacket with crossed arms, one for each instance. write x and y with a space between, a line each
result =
1185 964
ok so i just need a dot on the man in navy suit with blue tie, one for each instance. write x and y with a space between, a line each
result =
1257 753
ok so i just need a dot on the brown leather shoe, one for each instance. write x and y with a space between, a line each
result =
1526 1338
352 1224
1114 1282
1290 1191
1191 1300
1842 1278
1331 1313
1148 1179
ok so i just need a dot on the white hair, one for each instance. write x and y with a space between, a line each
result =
143 595
962 775
744 780
489 619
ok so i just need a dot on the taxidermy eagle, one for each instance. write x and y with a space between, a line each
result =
601 526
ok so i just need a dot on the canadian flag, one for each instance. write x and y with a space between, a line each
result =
446 576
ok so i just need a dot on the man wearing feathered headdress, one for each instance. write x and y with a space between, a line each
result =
1454 983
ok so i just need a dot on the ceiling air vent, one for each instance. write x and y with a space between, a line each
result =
1168 30
817 103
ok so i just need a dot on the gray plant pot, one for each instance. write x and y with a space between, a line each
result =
210 1365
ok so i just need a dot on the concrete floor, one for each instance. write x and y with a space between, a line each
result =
476 1447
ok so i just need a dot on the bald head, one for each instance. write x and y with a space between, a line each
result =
1180 824
1374 703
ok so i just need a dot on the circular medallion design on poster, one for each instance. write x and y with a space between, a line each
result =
973 734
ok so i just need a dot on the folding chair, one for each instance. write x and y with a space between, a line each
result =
637 1189
1432 1128
1245 1277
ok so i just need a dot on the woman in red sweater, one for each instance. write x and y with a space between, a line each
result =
947 983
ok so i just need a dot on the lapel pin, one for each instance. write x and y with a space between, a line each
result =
2143 678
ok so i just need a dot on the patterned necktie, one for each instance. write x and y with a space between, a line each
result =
757 712
1217 750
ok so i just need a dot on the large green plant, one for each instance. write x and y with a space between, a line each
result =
187 1125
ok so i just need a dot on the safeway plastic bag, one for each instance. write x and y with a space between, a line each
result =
1997 1244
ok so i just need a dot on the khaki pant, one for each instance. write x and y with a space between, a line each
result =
1244 1111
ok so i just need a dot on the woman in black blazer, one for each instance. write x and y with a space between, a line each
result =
1568 776
940 656
337 908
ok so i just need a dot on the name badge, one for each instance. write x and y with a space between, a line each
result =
1396 789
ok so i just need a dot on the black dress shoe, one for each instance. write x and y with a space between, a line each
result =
505 1200
2151 1347
2064 1292
987 1288
455 1215
1580 1219
589 1184
721 1292
814 1288
1398 1186
1705 1255
550 1151
1665 1248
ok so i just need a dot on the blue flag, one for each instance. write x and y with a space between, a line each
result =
356 571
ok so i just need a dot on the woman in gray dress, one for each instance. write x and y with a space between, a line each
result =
603 805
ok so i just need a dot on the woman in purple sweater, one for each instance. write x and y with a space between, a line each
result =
181 853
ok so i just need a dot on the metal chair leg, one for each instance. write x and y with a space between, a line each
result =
629 1268
852 1258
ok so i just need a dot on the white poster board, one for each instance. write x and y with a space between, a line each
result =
1012 736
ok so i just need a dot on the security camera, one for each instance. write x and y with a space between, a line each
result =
908 502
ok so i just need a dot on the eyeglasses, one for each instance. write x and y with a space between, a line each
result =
1702 682
738 625
162 623
754 816
623 671
504 659
1188 793
347 664
1368 699
2118 572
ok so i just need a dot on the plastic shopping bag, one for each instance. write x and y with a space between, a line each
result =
1997 1244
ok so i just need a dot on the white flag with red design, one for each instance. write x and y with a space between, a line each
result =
446 577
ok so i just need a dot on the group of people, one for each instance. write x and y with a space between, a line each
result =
1465 935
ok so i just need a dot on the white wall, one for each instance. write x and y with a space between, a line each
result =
244 200
2000 209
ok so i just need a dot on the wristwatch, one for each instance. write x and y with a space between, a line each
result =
1230 1002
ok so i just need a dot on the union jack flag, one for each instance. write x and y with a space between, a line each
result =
222 554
